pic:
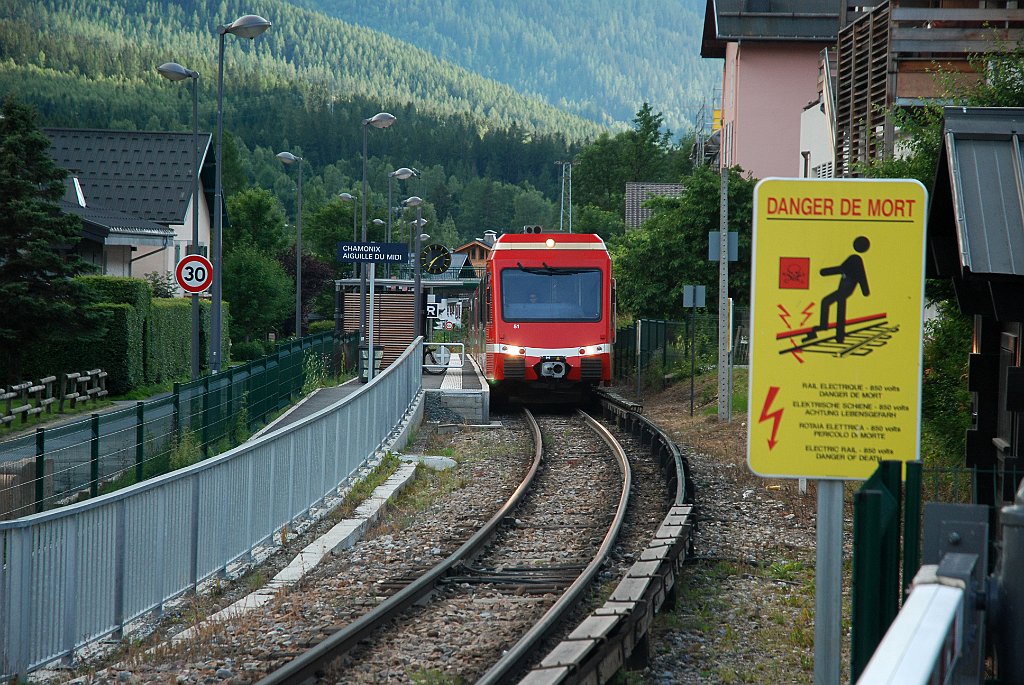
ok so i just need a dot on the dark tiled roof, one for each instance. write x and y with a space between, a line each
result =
976 218
729 21
144 174
114 228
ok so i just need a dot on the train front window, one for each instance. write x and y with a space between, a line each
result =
550 294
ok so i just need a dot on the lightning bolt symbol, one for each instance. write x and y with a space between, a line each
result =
807 313
775 416
784 316
796 351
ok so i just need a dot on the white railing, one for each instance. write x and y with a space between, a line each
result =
925 641
71 576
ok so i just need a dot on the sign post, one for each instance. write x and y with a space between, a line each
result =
837 304
373 253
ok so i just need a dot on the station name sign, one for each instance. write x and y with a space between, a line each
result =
388 253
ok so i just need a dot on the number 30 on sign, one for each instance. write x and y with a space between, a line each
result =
194 273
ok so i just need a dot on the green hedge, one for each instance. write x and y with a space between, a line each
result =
169 340
147 341
119 352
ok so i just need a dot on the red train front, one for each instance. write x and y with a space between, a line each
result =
550 315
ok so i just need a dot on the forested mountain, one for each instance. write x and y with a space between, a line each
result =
600 59
487 152
114 45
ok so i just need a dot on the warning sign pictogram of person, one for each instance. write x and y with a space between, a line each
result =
851 276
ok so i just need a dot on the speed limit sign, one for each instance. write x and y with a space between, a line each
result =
194 273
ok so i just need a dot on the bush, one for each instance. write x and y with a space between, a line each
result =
169 341
247 351
321 326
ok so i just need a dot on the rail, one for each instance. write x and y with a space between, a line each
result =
308 664
75 575
604 641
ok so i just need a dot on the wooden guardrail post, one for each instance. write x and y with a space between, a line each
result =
68 390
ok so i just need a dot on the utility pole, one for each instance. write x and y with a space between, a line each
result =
566 179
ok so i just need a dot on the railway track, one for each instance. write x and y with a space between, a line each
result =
512 580
525 547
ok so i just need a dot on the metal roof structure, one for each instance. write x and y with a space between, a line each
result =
143 174
976 218
731 21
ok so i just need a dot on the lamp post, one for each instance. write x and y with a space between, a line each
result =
348 197
248 26
417 202
379 120
402 174
289 158
172 71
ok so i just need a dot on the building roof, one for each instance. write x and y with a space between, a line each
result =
111 227
976 219
144 174
731 21
638 193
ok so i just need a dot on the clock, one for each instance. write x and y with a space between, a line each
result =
435 259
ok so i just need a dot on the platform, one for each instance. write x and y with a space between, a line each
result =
461 389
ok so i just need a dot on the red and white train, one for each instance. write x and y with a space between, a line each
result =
549 311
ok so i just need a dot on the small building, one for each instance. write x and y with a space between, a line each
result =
771 50
889 55
476 251
133 191
976 239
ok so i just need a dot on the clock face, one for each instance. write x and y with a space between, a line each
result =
435 259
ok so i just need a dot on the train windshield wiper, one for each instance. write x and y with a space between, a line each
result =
550 271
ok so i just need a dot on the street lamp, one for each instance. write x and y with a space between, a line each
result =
379 120
289 158
348 197
417 202
248 26
401 173
172 71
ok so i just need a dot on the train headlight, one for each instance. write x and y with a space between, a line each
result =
591 350
550 242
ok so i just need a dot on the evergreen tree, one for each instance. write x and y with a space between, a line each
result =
38 294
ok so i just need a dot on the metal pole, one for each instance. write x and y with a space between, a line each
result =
417 309
561 202
362 265
355 229
196 321
387 238
570 197
693 348
370 357
218 214
298 260
828 610
724 394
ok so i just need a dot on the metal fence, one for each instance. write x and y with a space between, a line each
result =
58 465
889 548
665 347
74 575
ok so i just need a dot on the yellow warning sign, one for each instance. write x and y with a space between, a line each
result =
836 320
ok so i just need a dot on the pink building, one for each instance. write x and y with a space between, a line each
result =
771 50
